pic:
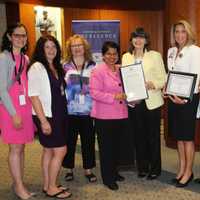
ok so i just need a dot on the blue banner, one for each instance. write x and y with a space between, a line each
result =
97 32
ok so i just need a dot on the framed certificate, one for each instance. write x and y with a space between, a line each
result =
134 82
181 84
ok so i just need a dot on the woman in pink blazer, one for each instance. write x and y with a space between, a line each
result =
109 111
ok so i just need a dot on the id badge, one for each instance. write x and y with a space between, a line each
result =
22 100
62 90
81 99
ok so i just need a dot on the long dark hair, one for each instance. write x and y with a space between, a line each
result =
39 54
6 43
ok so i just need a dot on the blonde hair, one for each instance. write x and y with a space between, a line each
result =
87 52
191 38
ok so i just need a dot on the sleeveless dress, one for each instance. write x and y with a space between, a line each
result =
59 119
9 134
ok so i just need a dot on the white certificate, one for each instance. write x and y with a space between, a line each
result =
134 82
181 84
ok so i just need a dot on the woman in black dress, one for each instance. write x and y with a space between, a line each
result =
46 89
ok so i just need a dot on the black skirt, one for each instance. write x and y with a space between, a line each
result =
57 138
182 119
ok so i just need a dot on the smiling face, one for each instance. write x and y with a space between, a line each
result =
111 56
180 35
50 50
77 47
139 42
18 38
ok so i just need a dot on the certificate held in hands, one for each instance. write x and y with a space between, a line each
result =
134 82
181 84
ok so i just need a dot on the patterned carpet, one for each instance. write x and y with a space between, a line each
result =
131 189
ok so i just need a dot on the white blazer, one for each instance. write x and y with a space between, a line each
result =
39 85
188 60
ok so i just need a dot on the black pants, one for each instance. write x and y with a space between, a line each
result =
82 125
147 138
109 132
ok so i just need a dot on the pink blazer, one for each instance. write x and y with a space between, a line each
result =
104 84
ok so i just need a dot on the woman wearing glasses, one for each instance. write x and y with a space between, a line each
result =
15 107
78 67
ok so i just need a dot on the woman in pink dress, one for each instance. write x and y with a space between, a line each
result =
15 107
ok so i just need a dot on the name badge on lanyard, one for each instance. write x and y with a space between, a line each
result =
21 96
81 99
21 68
22 100
62 90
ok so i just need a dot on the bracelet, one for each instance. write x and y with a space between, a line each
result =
44 121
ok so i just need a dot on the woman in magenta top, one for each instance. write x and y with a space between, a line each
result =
15 107
109 111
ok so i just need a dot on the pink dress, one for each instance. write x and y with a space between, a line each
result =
9 134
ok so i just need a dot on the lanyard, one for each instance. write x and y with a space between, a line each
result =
21 67
81 74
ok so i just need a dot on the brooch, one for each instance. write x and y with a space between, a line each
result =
172 54
180 55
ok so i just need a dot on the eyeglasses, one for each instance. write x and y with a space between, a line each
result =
76 45
18 36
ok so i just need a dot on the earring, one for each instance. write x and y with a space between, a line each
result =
25 48
10 46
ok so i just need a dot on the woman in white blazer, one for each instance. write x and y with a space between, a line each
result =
145 115
183 56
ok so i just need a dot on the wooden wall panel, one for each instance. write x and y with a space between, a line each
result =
175 10
12 13
63 31
102 4
123 17
189 10
152 21
85 13
68 16
77 14
27 17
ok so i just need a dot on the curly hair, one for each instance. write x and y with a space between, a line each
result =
39 54
87 52
6 43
